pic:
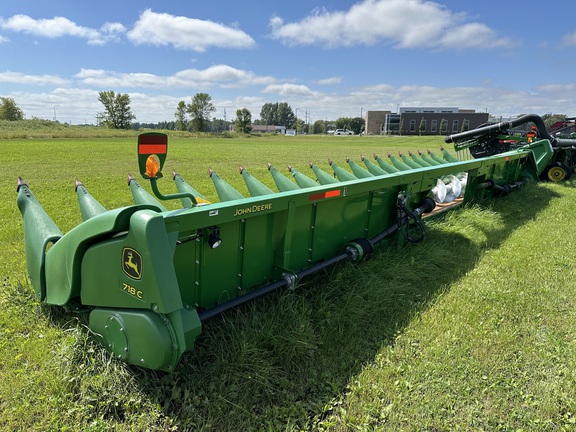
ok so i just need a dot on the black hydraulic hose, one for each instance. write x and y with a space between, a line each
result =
498 127
403 219
404 216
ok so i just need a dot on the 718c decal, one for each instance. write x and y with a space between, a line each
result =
132 291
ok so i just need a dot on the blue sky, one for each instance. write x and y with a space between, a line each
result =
328 59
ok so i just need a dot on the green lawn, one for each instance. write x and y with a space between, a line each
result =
472 330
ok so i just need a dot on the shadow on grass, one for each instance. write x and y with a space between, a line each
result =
284 361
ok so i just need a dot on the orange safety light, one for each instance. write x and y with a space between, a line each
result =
152 149
152 166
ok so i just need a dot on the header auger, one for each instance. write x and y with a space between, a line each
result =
149 277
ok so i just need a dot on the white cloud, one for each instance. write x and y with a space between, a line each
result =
69 105
60 27
559 91
103 78
379 88
162 29
287 90
402 23
112 31
329 81
51 28
473 35
223 76
20 78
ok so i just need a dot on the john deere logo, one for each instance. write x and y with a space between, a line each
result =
132 263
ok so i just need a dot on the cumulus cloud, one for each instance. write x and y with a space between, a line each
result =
21 78
223 76
402 23
112 31
162 29
60 27
289 90
50 28
103 78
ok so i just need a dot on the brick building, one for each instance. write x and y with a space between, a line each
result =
423 121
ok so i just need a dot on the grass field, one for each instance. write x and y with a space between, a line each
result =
472 330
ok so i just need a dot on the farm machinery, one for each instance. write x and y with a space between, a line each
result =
149 277
500 137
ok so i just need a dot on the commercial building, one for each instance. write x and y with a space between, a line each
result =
423 121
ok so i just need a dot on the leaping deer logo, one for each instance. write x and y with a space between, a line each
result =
132 263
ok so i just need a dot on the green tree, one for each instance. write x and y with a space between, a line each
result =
268 114
243 121
180 114
9 110
319 127
277 114
117 113
219 125
342 123
422 126
299 125
285 115
550 119
200 110
355 124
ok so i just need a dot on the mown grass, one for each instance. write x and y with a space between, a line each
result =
471 330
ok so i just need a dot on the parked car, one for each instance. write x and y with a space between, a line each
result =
343 132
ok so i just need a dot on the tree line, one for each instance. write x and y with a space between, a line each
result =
195 116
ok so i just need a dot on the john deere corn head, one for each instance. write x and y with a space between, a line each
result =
149 277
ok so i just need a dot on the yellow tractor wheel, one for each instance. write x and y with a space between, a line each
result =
556 173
